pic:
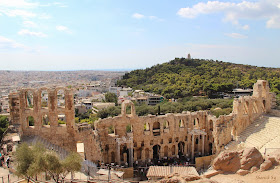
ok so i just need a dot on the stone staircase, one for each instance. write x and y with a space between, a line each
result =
32 140
262 133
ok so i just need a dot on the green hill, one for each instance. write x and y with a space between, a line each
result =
183 77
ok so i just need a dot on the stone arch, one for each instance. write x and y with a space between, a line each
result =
165 124
60 94
156 152
29 96
156 128
44 97
181 123
264 105
111 129
196 122
146 126
128 128
125 104
181 147
211 125
45 120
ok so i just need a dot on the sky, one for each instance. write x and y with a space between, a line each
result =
135 34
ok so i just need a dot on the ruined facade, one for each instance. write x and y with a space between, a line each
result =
127 138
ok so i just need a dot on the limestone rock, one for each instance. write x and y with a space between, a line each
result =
227 161
254 169
265 165
208 181
251 157
242 172
211 173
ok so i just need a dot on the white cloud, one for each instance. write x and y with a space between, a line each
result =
246 27
236 35
17 4
155 18
6 43
21 13
138 16
29 33
262 10
63 29
29 24
274 22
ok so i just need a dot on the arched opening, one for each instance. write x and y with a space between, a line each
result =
165 125
44 99
181 123
60 98
112 157
156 129
30 121
166 151
128 109
196 144
147 154
196 122
264 102
45 120
173 150
156 152
124 154
29 100
181 147
146 127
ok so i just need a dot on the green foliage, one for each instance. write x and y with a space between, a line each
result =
4 123
110 111
218 112
182 77
31 120
33 160
111 97
128 128
61 122
111 130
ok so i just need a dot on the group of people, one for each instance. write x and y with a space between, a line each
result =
2 160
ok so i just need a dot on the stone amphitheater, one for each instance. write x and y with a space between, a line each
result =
253 122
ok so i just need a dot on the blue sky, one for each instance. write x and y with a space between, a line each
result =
129 34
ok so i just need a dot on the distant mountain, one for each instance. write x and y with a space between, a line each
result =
186 77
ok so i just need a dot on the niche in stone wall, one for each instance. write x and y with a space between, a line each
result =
29 100
30 121
61 98
44 99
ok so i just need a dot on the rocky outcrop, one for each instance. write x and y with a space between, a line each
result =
232 161
251 157
265 165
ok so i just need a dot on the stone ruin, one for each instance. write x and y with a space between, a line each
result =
127 138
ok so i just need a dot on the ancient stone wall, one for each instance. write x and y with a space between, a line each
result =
128 138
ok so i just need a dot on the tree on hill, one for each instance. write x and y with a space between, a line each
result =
111 97
4 123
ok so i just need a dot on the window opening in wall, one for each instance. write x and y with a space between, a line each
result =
44 99
156 129
146 127
181 123
264 105
142 144
200 136
29 100
210 148
196 141
128 128
111 130
30 121
186 138
165 125
177 139
161 141
170 140
60 98
61 119
45 120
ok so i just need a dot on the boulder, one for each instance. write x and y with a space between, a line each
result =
254 169
227 161
242 172
265 165
251 157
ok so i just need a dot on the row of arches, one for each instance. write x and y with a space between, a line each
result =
45 120
44 98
